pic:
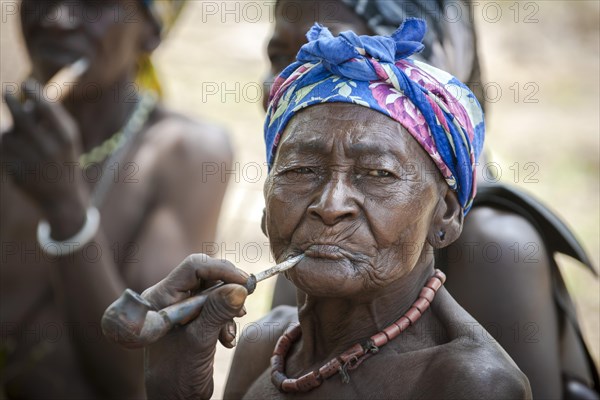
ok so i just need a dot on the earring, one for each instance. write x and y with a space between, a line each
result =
442 235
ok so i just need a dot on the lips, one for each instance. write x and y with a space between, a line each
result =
50 46
325 251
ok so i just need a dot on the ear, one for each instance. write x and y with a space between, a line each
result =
447 221
263 222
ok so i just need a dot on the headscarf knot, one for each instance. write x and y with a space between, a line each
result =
352 56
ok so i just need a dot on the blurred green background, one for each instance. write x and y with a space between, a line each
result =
541 72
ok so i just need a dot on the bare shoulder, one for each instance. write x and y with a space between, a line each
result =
496 245
255 349
472 364
498 252
504 228
188 141
183 155
479 368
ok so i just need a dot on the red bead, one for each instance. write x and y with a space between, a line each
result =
309 381
392 331
379 339
330 369
277 378
294 332
440 275
402 323
290 385
353 352
427 293
434 283
277 363
283 346
413 314
422 304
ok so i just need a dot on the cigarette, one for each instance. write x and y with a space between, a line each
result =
56 88
69 74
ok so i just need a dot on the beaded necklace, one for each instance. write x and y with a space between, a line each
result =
115 147
133 125
356 354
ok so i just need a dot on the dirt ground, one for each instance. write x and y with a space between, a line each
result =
541 66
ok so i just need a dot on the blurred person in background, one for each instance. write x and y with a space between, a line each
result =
519 288
103 191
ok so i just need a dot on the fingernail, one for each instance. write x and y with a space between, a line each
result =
241 313
243 273
236 296
231 330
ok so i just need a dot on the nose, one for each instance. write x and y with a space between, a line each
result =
336 202
62 15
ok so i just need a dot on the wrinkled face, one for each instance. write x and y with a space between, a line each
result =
356 193
111 34
293 19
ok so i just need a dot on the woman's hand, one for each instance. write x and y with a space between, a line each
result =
181 364
42 150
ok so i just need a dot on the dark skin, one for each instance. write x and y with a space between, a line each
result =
525 322
163 198
336 187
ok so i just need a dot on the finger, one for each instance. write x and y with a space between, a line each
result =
17 148
227 334
207 268
221 306
162 295
188 276
11 163
53 113
22 119
26 125
197 269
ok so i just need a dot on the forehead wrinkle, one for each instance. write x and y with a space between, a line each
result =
379 135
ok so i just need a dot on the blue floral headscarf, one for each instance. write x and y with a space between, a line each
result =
440 112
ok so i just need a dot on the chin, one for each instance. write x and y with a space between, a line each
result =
327 278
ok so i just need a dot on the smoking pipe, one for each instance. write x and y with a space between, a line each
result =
132 322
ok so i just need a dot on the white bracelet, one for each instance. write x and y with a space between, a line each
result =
68 246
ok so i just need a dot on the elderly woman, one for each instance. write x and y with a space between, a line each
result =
371 168
536 321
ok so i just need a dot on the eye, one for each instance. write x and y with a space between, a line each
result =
379 173
301 170
298 174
